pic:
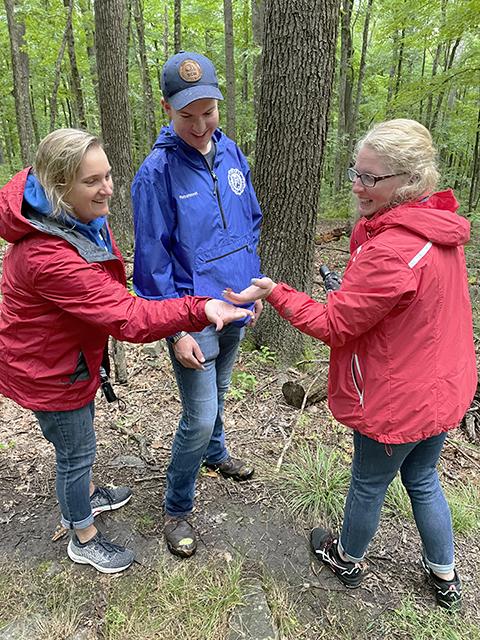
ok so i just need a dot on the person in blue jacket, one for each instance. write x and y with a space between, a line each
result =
197 224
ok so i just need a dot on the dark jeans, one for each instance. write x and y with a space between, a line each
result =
374 467
73 436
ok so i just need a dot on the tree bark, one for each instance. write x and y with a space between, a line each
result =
345 83
21 79
177 26
291 135
58 66
229 69
258 25
148 106
111 47
76 83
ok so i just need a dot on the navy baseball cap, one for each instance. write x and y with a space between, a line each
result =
189 76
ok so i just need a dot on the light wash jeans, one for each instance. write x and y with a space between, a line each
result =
200 434
374 467
73 436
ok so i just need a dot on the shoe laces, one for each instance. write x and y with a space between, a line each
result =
104 493
108 545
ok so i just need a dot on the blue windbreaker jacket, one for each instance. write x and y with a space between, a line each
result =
196 230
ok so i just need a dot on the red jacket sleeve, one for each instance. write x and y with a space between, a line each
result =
89 293
372 286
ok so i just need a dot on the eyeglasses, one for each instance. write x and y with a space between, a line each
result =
368 179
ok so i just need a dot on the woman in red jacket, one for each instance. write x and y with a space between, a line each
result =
402 363
64 293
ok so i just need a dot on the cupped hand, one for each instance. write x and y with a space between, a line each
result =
220 313
188 353
259 289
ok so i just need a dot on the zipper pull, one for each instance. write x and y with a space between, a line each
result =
215 180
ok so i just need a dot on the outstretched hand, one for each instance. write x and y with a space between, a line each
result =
259 289
220 313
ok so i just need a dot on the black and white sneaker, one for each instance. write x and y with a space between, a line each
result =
325 547
104 555
447 592
103 499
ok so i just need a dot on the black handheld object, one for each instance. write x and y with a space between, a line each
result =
331 279
107 388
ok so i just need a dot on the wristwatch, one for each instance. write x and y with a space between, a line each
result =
177 336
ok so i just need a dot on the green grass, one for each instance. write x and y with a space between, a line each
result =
314 482
410 621
169 602
464 501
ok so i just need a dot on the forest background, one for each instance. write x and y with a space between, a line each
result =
302 80
329 71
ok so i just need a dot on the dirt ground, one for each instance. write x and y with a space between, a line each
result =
249 519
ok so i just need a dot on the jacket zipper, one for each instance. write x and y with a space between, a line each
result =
360 388
245 246
216 192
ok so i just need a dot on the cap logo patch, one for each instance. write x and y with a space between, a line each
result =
190 71
236 180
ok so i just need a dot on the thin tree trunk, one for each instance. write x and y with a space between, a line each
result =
177 26
90 45
345 81
258 27
229 69
148 107
361 76
77 92
21 76
474 181
58 67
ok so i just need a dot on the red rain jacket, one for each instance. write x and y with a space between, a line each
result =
402 362
62 297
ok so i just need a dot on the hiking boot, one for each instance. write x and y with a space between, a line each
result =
447 592
105 556
233 468
180 536
103 499
325 548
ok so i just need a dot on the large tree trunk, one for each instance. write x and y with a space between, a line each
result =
21 78
111 47
291 134
229 69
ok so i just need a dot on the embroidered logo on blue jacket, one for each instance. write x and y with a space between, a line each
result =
236 180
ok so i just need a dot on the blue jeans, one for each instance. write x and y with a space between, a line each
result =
200 434
374 467
73 436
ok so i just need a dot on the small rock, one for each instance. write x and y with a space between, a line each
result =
127 461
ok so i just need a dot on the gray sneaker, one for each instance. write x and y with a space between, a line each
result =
105 556
103 499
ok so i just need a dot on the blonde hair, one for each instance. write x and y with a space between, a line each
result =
405 146
57 162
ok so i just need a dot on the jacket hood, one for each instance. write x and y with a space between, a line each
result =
13 226
433 218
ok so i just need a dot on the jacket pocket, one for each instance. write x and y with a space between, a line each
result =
357 377
231 265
